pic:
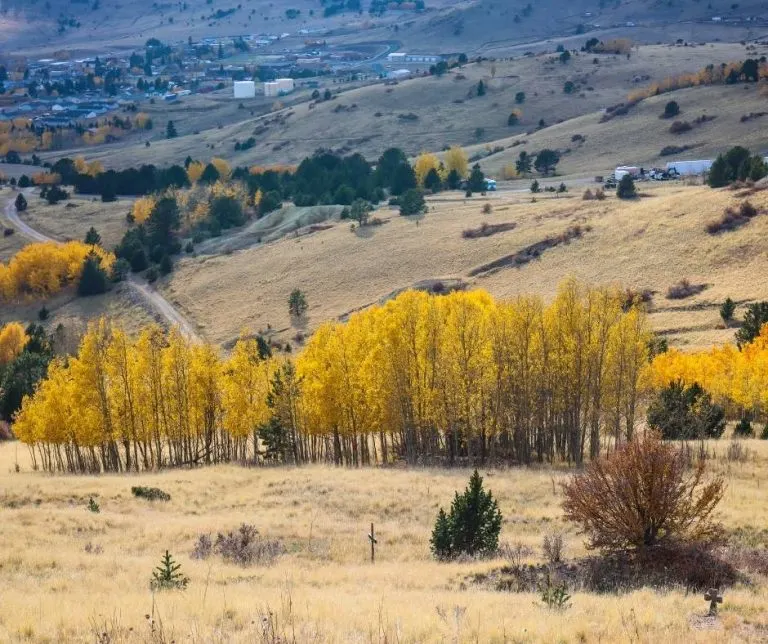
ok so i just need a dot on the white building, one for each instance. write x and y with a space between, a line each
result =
397 57
279 87
244 89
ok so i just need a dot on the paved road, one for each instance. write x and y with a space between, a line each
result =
154 299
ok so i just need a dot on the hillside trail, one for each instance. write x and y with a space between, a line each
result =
141 287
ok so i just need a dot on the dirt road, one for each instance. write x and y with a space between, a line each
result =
139 286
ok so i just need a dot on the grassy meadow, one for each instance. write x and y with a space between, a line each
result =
72 575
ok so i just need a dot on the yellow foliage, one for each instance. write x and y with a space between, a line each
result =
456 159
142 209
421 374
225 170
46 178
195 171
738 378
13 339
509 172
41 270
424 163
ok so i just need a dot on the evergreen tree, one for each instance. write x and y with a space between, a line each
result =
412 203
92 237
163 222
477 179
718 173
626 188
210 174
404 179
481 88
754 319
170 131
20 203
93 280
453 181
432 181
442 547
168 576
727 310
297 303
524 163
473 525
683 413
546 160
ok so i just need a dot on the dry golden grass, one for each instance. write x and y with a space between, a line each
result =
323 589
13 243
71 219
366 120
638 138
646 244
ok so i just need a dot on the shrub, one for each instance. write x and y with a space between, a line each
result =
588 196
678 127
554 596
681 412
472 527
535 186
150 493
552 547
643 495
167 576
244 547
600 194
93 506
684 289
626 188
671 110
743 428
487 209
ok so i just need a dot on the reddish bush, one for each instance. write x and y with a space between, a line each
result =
643 495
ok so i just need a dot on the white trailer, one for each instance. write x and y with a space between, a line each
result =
244 89
689 168
624 170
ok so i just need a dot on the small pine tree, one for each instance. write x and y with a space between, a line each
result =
626 188
472 527
93 280
21 203
166 265
535 187
170 131
297 303
92 237
441 537
481 88
167 575
719 174
727 309
743 428
93 506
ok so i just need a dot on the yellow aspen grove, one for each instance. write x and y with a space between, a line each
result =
142 209
736 378
13 339
40 270
195 171
456 378
456 159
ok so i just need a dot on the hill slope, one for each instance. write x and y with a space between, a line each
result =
648 244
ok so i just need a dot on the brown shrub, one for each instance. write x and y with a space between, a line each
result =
641 496
684 289
599 194
486 230
588 195
678 127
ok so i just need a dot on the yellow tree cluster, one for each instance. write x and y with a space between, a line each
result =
46 179
424 163
427 378
157 400
42 270
735 378
456 159
93 169
462 376
142 208
710 75
13 339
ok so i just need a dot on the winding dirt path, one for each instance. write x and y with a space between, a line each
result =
139 286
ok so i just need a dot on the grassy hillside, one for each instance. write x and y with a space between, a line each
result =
87 575
639 137
420 114
648 244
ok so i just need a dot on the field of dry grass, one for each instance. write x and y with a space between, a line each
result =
370 119
73 218
651 243
71 575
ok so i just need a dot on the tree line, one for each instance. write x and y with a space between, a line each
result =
428 379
